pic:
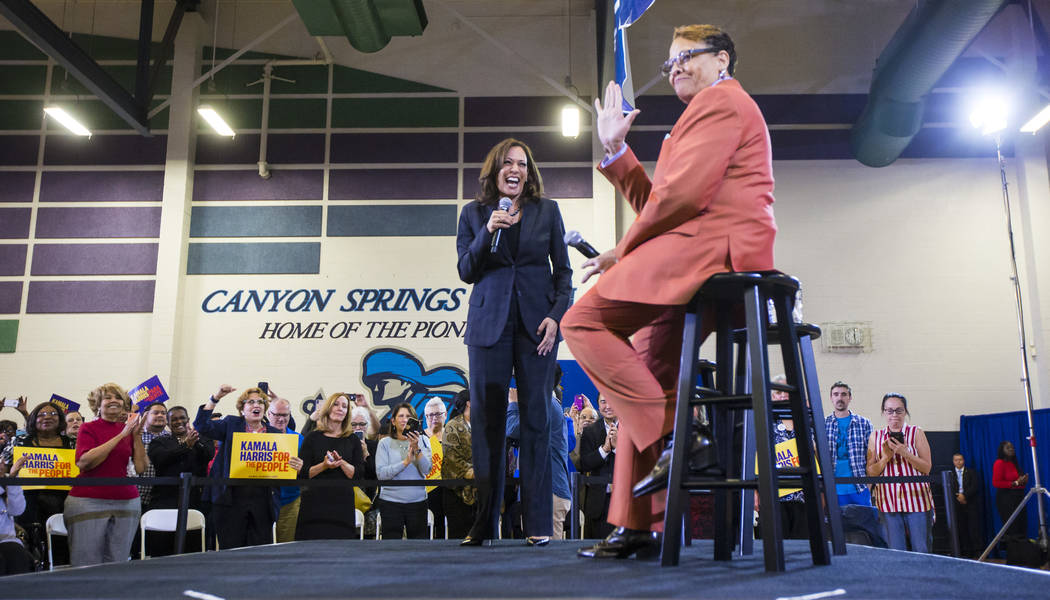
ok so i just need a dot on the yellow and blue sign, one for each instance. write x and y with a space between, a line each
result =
263 455
67 405
146 393
46 462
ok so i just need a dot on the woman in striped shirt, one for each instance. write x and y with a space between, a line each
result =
901 450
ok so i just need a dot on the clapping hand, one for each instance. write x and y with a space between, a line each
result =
332 460
133 424
192 436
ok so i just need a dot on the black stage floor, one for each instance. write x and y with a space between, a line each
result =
423 569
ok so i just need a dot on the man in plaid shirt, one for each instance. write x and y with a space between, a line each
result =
848 437
156 421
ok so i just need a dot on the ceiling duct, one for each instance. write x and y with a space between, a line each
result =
367 24
933 35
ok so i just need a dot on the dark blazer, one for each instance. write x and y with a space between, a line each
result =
592 463
971 484
222 431
169 458
540 274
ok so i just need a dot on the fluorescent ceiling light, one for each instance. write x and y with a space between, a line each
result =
67 120
215 121
570 121
1036 123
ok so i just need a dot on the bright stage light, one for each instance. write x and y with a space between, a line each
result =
1036 123
991 112
67 120
216 122
570 121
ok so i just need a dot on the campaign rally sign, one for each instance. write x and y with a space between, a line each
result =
786 456
263 455
67 405
46 462
146 393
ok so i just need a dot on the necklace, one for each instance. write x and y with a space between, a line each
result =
514 213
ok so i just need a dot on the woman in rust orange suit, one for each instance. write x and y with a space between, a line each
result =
706 210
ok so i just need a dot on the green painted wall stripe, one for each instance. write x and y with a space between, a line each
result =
123 74
347 81
17 47
299 113
395 112
23 79
254 258
8 335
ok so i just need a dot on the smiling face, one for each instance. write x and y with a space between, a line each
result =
512 174
340 408
156 418
47 420
688 77
606 409
178 419
112 407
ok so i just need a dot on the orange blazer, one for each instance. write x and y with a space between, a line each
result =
708 208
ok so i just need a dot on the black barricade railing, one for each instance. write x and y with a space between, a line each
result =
186 481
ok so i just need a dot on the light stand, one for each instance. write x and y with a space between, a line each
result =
1037 490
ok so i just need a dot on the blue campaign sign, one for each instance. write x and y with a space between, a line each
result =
66 404
627 12
146 393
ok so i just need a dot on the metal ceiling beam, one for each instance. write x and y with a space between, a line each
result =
47 36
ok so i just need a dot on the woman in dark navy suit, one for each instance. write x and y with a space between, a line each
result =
521 290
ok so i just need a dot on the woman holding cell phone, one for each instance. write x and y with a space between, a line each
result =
330 452
404 456
901 450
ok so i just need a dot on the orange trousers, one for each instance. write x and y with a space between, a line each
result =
638 376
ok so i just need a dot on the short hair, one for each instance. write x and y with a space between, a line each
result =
359 411
488 189
31 420
436 400
394 433
900 397
8 425
178 408
326 410
95 397
249 392
841 384
954 454
713 37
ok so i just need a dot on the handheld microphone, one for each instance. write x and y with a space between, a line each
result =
504 204
574 239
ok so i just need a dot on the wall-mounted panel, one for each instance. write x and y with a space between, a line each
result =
392 220
17 186
23 80
558 182
94 259
255 221
263 258
13 259
394 147
102 222
18 150
295 148
14 223
391 184
8 335
105 150
395 112
546 146
297 113
90 297
21 115
220 150
516 111
102 186
247 185
10 297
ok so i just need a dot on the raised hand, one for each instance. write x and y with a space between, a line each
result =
223 390
612 124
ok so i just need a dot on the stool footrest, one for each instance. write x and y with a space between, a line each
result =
744 401
711 484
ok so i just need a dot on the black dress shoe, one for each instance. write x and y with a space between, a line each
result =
702 455
472 541
622 543
538 540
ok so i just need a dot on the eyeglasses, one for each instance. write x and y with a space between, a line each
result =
895 411
46 414
358 424
280 415
682 58
254 401
435 415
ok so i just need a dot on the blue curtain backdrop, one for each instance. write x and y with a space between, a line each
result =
979 438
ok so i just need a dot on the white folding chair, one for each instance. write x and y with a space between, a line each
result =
379 524
430 522
166 519
583 520
359 522
274 532
55 525
446 528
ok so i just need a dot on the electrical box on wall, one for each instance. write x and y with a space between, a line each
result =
846 336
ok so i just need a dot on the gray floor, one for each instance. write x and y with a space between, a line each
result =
441 569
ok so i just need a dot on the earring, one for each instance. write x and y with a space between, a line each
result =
723 74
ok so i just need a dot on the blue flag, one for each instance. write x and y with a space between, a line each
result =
627 12
146 393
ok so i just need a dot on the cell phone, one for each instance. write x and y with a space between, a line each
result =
12 402
578 401
413 426
360 435
265 387
897 435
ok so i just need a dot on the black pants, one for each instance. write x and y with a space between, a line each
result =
410 517
968 528
1006 500
248 521
436 504
460 515
14 559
